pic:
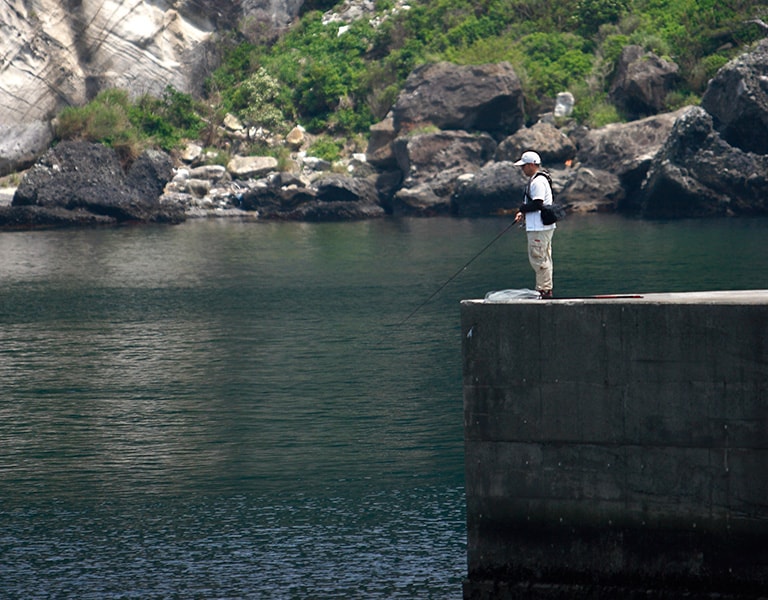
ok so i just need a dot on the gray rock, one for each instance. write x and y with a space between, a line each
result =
626 149
698 174
438 159
275 201
387 184
737 99
564 103
379 152
420 201
244 167
22 143
64 60
209 172
341 188
149 174
332 197
485 98
554 147
198 187
592 190
87 179
494 190
641 82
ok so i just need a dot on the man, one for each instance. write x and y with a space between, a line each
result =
538 193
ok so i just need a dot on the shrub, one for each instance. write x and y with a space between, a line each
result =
326 148
601 114
591 14
112 119
256 99
105 119
553 61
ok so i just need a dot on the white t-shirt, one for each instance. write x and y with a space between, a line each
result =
538 188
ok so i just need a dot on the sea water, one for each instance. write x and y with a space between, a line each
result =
222 409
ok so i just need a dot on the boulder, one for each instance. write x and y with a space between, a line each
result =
554 147
436 160
387 183
87 178
641 82
379 152
331 198
244 167
274 201
22 143
737 99
626 149
296 138
497 188
698 174
342 188
564 103
419 201
591 190
198 187
191 154
149 174
485 98
211 173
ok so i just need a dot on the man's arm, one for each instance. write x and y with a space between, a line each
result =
531 206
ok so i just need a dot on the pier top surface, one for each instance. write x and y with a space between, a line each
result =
711 297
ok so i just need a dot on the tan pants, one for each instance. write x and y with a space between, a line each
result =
540 257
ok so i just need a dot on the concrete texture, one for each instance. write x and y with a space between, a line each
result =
617 447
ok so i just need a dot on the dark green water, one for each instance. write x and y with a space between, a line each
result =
229 410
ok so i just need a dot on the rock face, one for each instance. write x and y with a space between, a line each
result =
433 162
642 82
485 98
592 190
625 150
22 143
698 174
497 189
554 147
472 106
87 180
737 99
331 198
58 53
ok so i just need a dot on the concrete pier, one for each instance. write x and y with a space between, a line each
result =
617 447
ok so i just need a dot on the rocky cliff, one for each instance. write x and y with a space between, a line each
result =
55 53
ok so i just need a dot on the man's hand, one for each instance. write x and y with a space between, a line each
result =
518 216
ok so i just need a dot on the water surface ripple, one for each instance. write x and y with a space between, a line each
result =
237 410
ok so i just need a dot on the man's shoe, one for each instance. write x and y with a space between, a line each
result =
545 294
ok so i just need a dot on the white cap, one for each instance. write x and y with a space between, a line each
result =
529 158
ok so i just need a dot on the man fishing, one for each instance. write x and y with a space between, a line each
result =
538 193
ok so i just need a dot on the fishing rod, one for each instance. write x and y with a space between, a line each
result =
457 273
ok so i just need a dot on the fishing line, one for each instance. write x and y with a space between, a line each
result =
457 273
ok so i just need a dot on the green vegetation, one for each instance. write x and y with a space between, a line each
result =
326 148
338 79
130 126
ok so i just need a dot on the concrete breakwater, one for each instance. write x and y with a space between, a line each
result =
617 448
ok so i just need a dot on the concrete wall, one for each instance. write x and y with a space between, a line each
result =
617 448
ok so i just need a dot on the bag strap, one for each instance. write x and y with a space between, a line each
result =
544 174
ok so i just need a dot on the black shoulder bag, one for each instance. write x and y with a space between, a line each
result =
550 213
